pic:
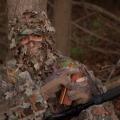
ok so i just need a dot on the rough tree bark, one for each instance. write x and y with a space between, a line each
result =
3 30
17 7
62 25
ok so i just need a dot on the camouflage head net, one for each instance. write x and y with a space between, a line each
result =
32 43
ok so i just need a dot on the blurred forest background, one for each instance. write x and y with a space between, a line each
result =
86 30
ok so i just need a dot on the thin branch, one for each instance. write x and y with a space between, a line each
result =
99 9
114 69
95 35
97 49
113 83
112 27
84 17
110 24
101 50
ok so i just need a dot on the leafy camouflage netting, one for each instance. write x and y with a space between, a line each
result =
26 90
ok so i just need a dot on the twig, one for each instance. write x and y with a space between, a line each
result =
84 17
113 69
97 49
113 83
101 50
94 34
99 9
112 27
110 24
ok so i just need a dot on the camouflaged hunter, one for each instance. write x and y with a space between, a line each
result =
40 80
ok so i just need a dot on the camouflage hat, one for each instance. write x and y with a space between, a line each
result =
32 23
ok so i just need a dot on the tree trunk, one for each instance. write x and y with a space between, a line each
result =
17 7
62 25
3 30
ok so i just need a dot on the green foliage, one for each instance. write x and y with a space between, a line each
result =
96 24
77 53
90 40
